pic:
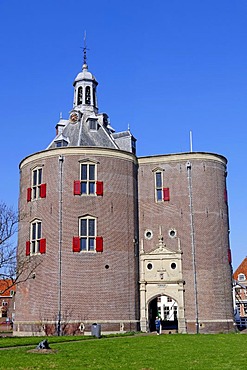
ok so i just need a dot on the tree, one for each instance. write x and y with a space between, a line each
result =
14 268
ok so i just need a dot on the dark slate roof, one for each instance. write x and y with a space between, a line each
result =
80 134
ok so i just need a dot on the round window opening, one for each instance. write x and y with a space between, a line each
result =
149 266
107 267
173 265
172 233
148 234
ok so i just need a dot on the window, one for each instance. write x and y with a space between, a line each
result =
79 97
88 95
161 193
87 233
38 189
61 143
36 182
93 124
35 236
87 241
241 277
87 185
158 186
166 312
148 234
4 313
88 178
169 299
172 233
36 244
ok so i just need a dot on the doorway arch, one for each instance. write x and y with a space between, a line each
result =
166 308
161 276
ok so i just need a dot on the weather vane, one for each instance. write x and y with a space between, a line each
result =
85 49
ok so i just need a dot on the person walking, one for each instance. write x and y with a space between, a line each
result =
157 325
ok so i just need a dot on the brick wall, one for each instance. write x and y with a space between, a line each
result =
213 271
103 287
95 286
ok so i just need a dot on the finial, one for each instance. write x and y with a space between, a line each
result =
61 115
128 127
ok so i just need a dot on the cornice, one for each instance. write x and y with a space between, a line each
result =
67 151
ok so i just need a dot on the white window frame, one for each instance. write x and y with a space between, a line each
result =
36 184
35 236
88 185
158 187
89 244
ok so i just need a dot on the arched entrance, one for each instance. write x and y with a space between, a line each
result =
162 288
166 308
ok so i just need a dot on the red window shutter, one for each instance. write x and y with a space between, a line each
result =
99 187
99 244
28 248
229 255
76 244
42 246
166 194
29 194
43 191
77 187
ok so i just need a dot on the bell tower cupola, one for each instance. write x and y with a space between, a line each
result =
85 84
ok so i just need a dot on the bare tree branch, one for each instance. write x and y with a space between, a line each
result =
14 269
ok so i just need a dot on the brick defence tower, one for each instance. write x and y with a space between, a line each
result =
113 234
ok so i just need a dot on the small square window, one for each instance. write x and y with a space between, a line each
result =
241 277
93 124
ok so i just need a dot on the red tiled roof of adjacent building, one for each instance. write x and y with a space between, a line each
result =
242 269
6 287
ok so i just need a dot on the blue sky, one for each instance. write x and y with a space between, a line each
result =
163 67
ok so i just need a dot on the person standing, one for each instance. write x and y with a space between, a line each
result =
157 325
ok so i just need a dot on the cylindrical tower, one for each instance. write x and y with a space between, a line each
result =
184 195
79 222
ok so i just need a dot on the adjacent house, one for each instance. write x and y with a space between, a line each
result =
7 303
240 294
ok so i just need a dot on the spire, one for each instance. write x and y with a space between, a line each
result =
85 84
85 51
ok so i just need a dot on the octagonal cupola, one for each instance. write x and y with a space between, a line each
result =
85 98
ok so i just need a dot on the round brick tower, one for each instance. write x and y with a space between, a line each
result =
78 207
184 229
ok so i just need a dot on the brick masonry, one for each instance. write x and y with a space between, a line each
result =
90 292
211 242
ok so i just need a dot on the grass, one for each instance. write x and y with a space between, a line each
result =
151 352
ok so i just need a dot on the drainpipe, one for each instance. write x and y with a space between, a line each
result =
60 225
193 249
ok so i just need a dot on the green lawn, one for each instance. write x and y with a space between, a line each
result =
223 351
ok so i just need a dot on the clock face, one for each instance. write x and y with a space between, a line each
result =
74 117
